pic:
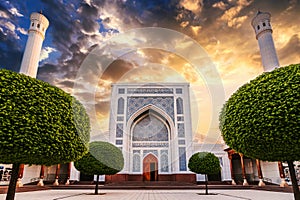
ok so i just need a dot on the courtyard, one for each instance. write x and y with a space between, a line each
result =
182 194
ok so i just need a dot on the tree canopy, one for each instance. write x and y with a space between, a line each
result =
103 159
204 163
261 119
40 123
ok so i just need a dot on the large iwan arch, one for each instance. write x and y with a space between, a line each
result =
151 126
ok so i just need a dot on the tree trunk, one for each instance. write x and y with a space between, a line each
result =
13 182
97 184
206 188
294 180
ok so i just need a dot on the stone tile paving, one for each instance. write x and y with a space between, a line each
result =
152 195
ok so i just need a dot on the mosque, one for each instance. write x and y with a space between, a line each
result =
151 124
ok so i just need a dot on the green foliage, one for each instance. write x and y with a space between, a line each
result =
40 123
261 119
204 163
103 159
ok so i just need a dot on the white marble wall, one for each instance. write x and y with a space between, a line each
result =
218 150
31 173
270 171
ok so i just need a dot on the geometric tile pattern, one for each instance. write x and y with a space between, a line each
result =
150 129
164 103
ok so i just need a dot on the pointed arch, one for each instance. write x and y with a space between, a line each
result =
150 126
156 110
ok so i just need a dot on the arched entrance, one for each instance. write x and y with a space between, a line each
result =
150 168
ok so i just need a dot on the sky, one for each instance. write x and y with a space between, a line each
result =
208 43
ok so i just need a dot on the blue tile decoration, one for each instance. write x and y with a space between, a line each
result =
150 90
180 128
119 142
136 162
137 151
145 152
164 103
150 144
121 91
179 105
120 118
119 131
164 166
180 118
164 163
178 91
181 142
182 159
150 128
120 106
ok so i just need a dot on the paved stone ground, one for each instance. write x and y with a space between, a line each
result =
151 195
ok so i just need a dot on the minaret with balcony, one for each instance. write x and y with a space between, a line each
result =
36 35
263 30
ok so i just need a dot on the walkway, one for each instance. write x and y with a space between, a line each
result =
79 194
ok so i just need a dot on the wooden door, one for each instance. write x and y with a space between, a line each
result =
150 168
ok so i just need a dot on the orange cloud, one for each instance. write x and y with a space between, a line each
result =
193 5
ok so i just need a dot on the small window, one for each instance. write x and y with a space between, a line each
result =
32 24
264 24
258 27
38 26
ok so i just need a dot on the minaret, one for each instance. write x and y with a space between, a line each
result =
36 34
263 31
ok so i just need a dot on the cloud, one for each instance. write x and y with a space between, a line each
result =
4 14
117 69
88 18
221 5
8 25
9 29
15 12
46 51
88 2
12 55
237 22
231 16
292 5
22 30
291 49
193 5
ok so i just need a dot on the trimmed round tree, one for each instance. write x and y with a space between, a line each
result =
40 124
204 163
261 119
103 159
